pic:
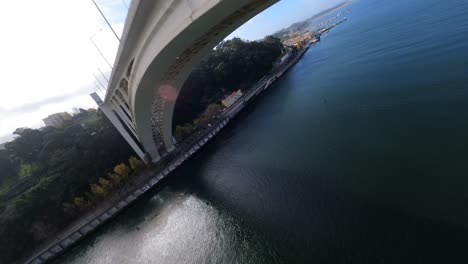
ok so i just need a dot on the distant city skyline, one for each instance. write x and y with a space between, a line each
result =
48 59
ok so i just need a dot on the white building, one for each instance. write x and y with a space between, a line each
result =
57 120
232 98
283 58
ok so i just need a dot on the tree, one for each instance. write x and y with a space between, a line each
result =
70 209
7 168
91 198
115 179
98 191
234 64
106 184
300 45
136 164
59 164
123 170
82 204
183 131
26 146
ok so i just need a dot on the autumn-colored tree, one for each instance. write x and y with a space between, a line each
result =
115 179
98 191
123 170
82 204
106 184
136 164
300 45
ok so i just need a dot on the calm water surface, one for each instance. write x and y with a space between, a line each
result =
358 155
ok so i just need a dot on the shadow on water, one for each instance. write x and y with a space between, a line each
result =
321 225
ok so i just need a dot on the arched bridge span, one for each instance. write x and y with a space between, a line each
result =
161 43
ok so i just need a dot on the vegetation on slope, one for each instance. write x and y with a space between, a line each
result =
43 171
51 176
234 64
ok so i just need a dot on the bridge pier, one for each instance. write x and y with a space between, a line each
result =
162 41
109 112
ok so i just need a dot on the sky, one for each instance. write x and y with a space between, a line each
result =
48 61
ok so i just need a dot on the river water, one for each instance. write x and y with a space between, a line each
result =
358 155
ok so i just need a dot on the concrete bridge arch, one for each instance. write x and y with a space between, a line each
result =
163 40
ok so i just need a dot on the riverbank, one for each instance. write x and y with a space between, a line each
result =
151 178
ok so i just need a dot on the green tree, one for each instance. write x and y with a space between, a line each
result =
234 64
91 198
183 131
27 145
59 164
8 169
70 209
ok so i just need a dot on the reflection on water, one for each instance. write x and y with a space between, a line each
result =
165 228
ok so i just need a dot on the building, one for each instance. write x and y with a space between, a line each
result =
297 40
2 146
57 120
232 98
283 58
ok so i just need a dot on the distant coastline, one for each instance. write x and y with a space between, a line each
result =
301 25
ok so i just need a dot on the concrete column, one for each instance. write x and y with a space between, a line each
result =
167 127
123 116
107 110
118 102
122 103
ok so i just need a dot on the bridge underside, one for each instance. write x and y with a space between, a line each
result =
164 99
162 42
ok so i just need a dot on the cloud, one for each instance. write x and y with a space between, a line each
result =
5 138
33 106
48 59
25 117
